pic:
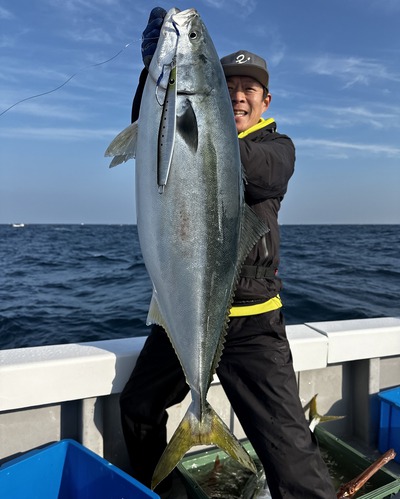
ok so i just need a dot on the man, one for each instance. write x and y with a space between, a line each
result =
256 369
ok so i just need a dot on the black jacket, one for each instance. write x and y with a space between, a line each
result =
268 158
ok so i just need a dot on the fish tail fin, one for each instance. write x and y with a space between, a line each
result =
190 432
316 418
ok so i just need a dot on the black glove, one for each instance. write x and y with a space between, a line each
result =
151 34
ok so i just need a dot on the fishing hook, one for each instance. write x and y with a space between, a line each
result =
171 65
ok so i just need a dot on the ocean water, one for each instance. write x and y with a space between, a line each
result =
76 283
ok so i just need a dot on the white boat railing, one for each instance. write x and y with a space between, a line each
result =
71 391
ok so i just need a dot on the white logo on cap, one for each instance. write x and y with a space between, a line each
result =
241 59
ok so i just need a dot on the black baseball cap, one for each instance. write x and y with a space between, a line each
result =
244 63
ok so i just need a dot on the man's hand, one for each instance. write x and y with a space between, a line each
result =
151 34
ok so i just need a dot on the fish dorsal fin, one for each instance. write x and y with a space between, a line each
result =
123 147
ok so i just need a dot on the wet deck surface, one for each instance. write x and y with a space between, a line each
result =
178 489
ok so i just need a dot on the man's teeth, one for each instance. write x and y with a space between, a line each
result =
239 113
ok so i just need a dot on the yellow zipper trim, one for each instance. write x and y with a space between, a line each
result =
261 124
260 308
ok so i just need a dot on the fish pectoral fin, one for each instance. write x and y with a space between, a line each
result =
186 125
123 147
190 432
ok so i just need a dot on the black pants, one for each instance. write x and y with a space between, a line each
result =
257 375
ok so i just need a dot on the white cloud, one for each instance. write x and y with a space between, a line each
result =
338 146
241 8
6 14
54 133
42 110
275 52
6 41
388 6
377 116
77 5
246 6
96 35
217 4
352 70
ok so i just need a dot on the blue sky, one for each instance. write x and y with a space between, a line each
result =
335 82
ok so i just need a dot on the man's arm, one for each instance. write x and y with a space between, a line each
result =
150 38
268 165
138 95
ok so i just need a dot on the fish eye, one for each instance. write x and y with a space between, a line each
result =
193 35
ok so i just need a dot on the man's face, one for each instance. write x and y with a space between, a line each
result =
248 101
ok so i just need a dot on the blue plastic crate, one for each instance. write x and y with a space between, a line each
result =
389 425
67 470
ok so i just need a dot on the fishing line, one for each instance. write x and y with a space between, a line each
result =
69 79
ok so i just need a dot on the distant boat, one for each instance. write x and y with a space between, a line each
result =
18 225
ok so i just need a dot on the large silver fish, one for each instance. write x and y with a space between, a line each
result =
194 227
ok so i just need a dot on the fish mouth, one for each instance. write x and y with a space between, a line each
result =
184 17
